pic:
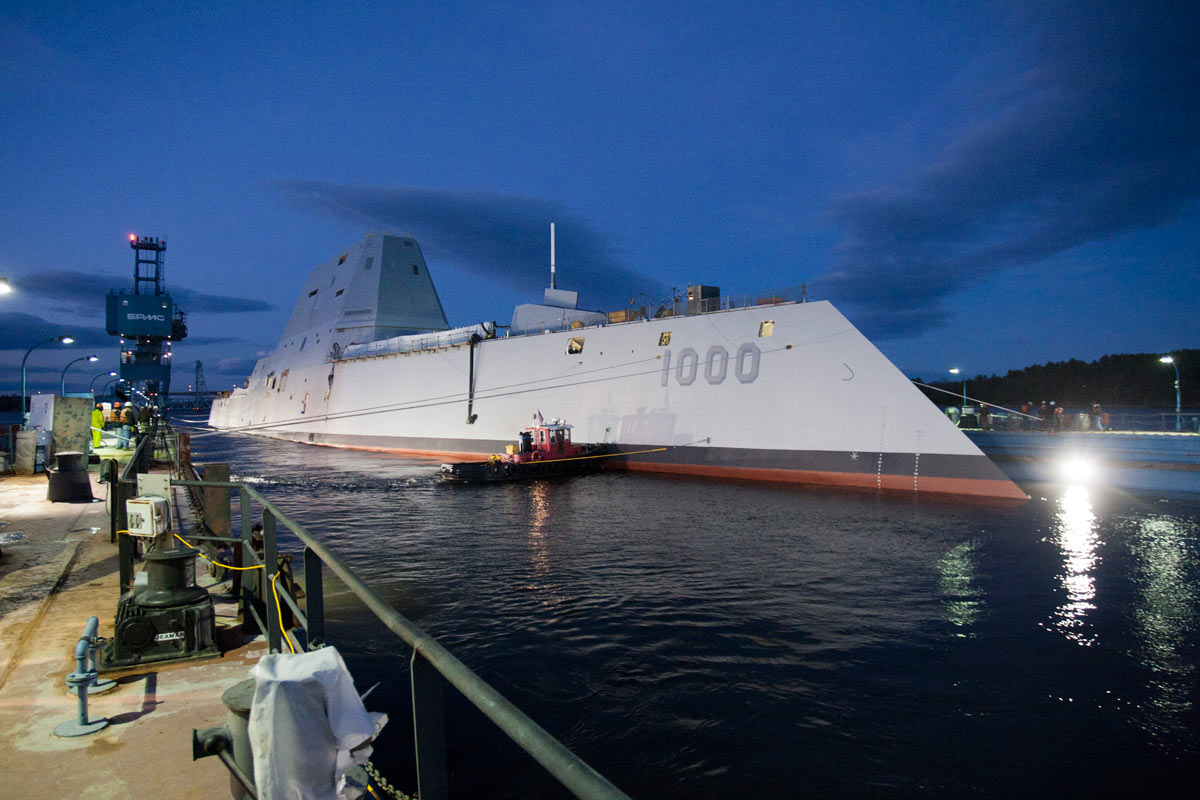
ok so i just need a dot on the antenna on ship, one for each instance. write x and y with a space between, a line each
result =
552 286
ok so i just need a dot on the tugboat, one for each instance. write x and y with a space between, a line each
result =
544 450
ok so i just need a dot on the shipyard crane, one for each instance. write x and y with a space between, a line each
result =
147 321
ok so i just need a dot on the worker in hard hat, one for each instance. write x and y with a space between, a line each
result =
97 424
128 422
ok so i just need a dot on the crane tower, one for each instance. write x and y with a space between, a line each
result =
147 321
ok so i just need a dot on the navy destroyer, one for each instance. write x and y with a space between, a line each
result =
772 388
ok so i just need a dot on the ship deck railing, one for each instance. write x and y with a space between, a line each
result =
432 666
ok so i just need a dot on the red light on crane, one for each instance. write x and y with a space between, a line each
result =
133 237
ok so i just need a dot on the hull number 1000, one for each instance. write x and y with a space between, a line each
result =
715 367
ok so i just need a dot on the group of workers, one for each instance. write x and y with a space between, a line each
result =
124 418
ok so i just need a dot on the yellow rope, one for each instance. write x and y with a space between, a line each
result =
602 455
279 609
206 558
274 588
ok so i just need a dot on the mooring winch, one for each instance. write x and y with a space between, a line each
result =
168 616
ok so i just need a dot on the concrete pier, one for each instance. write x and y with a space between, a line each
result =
1133 461
58 568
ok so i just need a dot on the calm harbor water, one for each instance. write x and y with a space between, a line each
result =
712 639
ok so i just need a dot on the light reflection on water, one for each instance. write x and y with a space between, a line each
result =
1075 534
958 586
1164 549
716 639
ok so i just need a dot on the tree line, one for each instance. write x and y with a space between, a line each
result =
1128 379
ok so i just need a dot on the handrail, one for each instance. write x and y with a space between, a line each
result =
575 774
569 769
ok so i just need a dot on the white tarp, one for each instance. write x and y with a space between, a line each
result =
305 722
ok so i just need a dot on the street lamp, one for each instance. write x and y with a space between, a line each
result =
1171 360
24 395
62 383
955 371
104 388
111 373
5 286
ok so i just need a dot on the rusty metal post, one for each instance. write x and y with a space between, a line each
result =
215 508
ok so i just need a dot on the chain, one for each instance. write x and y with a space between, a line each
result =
383 783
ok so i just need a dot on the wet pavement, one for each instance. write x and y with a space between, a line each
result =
57 569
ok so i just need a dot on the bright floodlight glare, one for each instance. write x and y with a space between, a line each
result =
93 358
66 339
5 286
1078 469
954 371
1167 359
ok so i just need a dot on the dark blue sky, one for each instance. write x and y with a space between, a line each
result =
982 185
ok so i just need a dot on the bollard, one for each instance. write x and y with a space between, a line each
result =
81 726
91 634
231 742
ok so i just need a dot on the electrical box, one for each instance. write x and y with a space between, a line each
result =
148 516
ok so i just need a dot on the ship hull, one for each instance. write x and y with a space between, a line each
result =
788 393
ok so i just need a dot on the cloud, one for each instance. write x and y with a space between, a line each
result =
500 237
196 302
236 366
1100 138
205 341
19 332
81 290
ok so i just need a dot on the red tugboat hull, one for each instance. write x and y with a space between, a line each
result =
542 451
499 471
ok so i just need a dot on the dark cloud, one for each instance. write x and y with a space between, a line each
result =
502 237
19 332
78 290
236 366
205 341
1100 138
197 302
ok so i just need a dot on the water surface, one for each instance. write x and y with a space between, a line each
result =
714 639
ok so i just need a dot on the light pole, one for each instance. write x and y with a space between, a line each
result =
62 383
111 373
955 371
24 395
1171 360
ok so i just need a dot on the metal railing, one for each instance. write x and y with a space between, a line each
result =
1115 421
432 665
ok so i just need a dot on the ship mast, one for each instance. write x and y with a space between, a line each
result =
552 286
